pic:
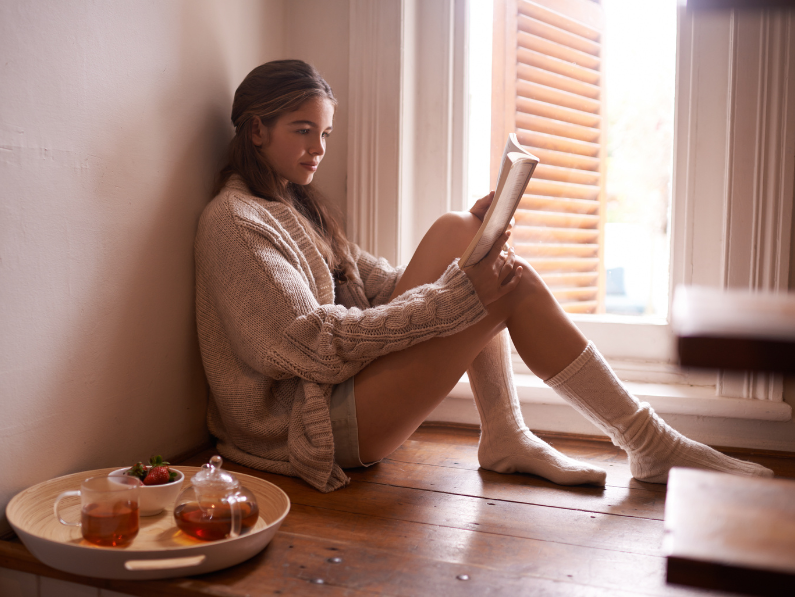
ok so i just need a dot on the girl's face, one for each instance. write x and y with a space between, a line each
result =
296 143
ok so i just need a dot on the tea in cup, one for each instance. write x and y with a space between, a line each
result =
108 510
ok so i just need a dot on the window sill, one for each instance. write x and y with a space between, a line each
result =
672 399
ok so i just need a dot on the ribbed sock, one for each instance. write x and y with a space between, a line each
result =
653 447
506 444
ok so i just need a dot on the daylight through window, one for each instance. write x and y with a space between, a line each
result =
589 88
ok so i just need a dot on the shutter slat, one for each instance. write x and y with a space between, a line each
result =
558 250
584 307
533 139
554 280
551 48
574 206
568 264
566 160
566 175
575 294
555 219
558 35
568 190
555 65
550 95
544 234
556 127
556 112
541 13
544 77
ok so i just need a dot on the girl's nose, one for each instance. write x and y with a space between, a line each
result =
318 147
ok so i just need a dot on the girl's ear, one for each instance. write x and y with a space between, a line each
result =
259 133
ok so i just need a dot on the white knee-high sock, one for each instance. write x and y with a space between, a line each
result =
506 444
591 386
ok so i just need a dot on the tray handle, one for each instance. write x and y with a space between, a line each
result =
164 564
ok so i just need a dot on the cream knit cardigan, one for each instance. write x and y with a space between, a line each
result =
274 337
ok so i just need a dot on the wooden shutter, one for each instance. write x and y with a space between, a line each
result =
547 87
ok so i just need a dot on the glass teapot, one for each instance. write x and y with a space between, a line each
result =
215 505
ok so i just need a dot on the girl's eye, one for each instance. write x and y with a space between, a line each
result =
303 131
326 135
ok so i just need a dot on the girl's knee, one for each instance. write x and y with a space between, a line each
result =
453 220
453 226
531 288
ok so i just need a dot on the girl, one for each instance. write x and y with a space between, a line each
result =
322 357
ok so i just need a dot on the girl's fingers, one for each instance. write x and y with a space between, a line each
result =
482 206
513 282
507 266
498 245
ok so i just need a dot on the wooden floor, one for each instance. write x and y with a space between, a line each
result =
428 521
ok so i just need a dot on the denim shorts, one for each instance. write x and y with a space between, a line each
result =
344 427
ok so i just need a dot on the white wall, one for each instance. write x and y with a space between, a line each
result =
317 31
113 119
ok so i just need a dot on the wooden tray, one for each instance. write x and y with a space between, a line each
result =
159 551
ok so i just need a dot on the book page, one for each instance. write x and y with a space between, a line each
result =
518 164
502 211
511 146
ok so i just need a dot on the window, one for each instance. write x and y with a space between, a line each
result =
588 86
733 176
547 81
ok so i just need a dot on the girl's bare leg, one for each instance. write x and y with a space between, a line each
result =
395 393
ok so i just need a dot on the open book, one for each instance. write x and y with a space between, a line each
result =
516 169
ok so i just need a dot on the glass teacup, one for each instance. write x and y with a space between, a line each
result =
108 512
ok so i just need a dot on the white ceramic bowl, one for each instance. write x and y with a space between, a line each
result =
155 498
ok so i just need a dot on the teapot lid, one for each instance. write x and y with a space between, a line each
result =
212 477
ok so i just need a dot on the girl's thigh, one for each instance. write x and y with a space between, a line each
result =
395 393
447 238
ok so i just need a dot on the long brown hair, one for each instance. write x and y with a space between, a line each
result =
268 92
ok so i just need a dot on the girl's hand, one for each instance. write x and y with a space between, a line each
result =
497 274
482 206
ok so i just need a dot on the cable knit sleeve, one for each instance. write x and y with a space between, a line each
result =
379 277
341 341
272 317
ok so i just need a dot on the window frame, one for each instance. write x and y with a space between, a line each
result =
717 53
731 68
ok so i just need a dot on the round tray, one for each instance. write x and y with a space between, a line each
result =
160 550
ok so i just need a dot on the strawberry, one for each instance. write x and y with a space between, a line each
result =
159 473
139 470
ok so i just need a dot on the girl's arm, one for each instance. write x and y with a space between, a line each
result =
276 325
378 276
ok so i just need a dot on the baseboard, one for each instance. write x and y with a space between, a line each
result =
729 433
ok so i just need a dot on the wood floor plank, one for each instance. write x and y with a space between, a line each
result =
275 582
731 532
464 455
429 444
383 556
362 567
524 557
576 527
525 489
782 464
428 513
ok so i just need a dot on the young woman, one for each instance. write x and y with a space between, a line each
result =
322 357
